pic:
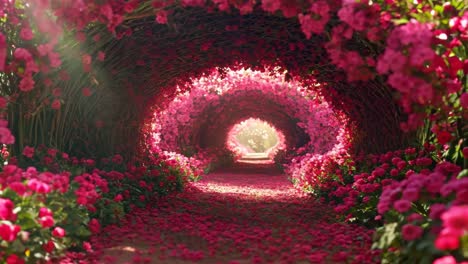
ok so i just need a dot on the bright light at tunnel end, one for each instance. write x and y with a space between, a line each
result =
254 139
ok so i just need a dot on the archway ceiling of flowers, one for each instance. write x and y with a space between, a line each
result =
156 58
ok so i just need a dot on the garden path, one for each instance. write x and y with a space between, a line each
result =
245 214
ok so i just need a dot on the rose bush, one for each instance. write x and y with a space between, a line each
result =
55 206
403 195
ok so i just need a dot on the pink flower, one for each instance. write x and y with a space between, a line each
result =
465 152
49 246
86 91
3 52
54 59
447 242
87 247
28 152
456 218
411 232
3 102
6 209
101 56
161 17
402 205
44 211
464 100
118 198
56 104
26 33
436 211
271 5
443 137
445 260
26 83
58 232
86 62
9 232
14 259
46 221
18 187
38 186
22 54
94 226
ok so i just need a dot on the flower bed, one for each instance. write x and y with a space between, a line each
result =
415 203
57 202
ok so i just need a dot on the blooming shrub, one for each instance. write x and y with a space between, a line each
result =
400 193
173 128
425 217
58 204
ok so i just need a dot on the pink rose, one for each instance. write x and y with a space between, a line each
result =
447 242
14 259
46 221
9 232
411 232
456 218
445 260
6 209
58 232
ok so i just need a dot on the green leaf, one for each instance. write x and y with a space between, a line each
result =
387 236
464 246
400 21
17 246
462 174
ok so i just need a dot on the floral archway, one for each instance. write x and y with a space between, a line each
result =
82 80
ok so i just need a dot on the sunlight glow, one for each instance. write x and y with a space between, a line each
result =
255 139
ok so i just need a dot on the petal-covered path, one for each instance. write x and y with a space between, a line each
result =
242 215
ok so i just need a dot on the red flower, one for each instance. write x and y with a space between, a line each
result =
58 232
447 242
94 226
118 198
6 210
28 151
46 221
49 246
14 259
411 232
443 137
402 205
465 152
445 260
86 92
44 211
9 232
3 52
56 104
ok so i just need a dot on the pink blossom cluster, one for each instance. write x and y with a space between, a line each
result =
399 195
455 226
173 128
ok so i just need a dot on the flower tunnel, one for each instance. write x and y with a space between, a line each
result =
160 69
117 103
203 117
